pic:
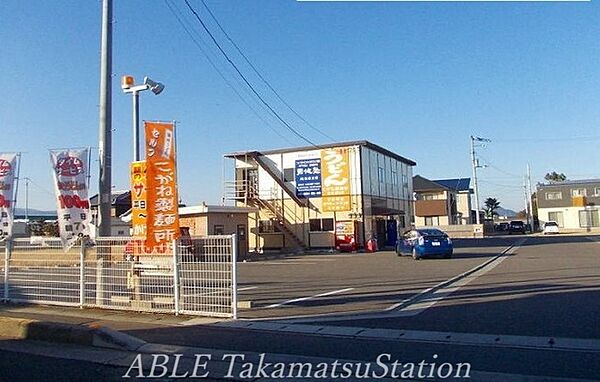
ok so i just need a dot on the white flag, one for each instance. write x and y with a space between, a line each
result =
8 168
70 169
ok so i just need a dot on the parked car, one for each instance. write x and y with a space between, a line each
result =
423 242
550 227
516 226
503 227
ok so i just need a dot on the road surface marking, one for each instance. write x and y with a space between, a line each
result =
310 297
398 309
431 296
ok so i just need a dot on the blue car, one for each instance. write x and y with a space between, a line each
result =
423 242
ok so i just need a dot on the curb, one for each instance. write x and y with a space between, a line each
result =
87 335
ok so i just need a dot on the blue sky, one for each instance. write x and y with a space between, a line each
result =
417 78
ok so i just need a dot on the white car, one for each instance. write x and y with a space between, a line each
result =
550 227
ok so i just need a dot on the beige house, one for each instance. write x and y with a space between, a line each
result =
320 196
206 220
442 202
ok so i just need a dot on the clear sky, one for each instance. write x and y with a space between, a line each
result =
416 78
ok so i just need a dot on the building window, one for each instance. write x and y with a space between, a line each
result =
554 195
289 175
267 226
381 174
321 225
120 233
578 192
432 220
597 191
404 181
556 216
588 218
394 178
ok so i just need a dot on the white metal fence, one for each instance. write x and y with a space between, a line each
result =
193 276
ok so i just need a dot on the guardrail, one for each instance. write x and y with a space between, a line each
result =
196 276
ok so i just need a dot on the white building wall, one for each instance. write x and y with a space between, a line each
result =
570 216
463 206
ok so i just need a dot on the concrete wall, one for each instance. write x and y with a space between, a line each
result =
570 216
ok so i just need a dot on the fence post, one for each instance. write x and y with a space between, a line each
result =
7 254
176 275
234 249
82 272
99 282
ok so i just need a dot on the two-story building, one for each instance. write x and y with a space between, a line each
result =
572 204
442 202
320 196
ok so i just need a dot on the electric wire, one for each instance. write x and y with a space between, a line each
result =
228 59
212 63
261 76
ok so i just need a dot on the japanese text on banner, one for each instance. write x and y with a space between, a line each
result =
139 211
70 168
336 180
161 184
8 168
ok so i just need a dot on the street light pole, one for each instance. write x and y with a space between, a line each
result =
136 126
128 86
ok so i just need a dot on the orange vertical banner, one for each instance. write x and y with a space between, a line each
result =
139 210
161 184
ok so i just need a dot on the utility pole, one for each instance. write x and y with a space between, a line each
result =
475 165
529 197
27 199
105 129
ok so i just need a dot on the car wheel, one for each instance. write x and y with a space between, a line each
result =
415 255
448 255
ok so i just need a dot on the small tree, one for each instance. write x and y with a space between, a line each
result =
491 205
554 177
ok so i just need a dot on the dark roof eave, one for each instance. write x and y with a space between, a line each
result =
364 143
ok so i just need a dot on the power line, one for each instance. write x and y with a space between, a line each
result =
261 76
205 53
244 78
555 139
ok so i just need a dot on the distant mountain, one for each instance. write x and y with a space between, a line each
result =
34 212
505 212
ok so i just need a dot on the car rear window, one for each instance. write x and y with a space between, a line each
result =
430 232
551 224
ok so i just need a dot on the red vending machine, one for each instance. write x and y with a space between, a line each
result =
345 235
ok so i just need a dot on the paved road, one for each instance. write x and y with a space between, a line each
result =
364 282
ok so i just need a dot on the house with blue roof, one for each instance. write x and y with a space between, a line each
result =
442 202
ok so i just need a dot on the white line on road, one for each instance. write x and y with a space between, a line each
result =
409 303
451 285
310 297
247 288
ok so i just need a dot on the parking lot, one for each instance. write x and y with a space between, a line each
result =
360 282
